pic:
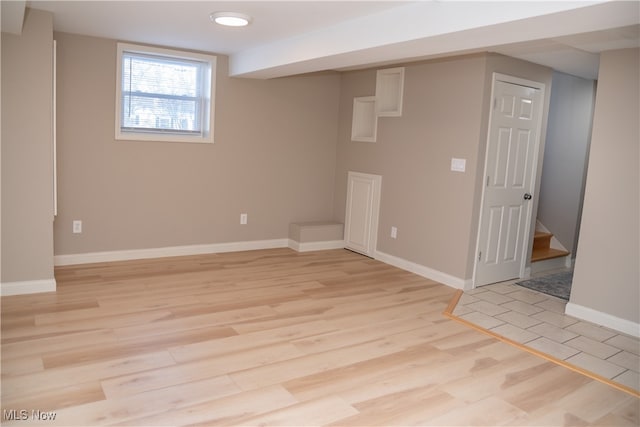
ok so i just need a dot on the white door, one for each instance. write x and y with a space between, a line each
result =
361 217
510 168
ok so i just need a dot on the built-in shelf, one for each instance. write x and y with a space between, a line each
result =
364 126
387 102
389 91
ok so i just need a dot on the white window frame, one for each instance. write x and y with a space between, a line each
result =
209 107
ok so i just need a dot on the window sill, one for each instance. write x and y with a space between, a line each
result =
159 137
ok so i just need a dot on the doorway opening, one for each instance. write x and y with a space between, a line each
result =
511 162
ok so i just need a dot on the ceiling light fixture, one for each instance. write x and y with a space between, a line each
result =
230 19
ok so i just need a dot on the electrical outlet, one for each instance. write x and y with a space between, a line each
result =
243 218
394 232
77 226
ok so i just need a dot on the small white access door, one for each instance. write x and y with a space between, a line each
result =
510 170
361 218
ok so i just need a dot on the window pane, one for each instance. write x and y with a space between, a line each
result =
160 113
161 93
160 75
164 95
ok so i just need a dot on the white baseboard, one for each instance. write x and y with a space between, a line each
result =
421 270
569 262
604 319
316 246
133 254
27 287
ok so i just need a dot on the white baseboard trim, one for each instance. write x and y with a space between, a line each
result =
27 287
133 254
569 262
316 246
604 319
421 270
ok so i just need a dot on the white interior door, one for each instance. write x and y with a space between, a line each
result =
361 217
510 168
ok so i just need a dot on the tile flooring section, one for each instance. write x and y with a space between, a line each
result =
538 321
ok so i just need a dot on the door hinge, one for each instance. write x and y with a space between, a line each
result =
487 184
495 103
479 255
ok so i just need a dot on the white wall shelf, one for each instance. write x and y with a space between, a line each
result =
389 91
364 126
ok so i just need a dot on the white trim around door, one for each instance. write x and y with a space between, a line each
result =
362 212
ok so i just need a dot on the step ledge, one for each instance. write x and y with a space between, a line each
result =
545 254
550 264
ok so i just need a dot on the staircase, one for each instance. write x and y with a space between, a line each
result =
542 249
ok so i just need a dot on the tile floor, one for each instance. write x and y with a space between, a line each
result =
538 321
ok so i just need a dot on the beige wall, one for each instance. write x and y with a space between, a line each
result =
27 209
430 205
445 115
565 157
273 158
607 272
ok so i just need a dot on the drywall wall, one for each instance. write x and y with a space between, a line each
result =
607 269
273 158
429 204
565 157
445 115
27 165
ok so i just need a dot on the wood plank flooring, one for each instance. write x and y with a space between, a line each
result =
273 337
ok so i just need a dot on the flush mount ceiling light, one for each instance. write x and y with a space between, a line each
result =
230 19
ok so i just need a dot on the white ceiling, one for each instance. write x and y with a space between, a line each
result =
297 37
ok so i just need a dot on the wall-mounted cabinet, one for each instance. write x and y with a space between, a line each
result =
389 91
365 119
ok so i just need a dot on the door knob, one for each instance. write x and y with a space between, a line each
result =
527 196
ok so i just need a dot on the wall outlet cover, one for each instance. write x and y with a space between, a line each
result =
458 165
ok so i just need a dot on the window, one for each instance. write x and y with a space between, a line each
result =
164 95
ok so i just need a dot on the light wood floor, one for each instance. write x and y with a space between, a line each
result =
274 337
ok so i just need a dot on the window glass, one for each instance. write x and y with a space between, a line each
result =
164 96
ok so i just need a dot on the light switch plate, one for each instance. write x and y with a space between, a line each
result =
458 165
